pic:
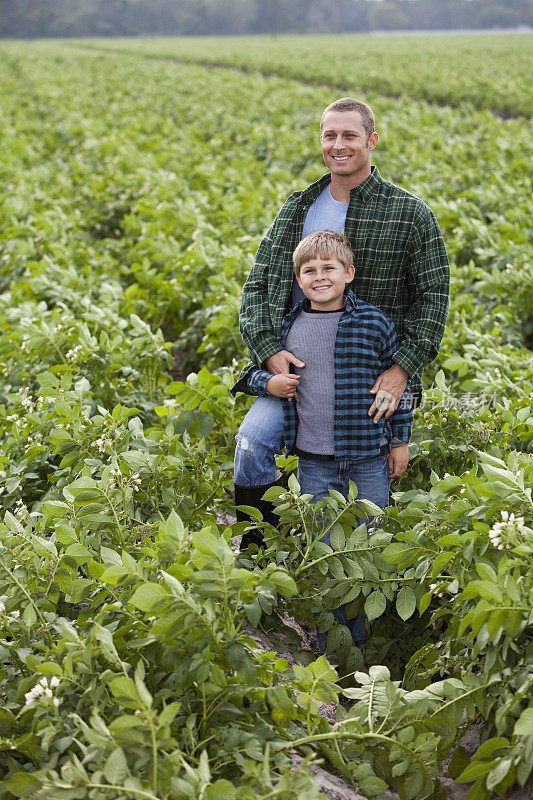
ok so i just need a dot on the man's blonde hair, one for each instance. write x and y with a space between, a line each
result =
323 244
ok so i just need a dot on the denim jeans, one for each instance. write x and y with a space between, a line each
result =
259 439
372 481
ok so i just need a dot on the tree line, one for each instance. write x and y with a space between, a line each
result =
51 18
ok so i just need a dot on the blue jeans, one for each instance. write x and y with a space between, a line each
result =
372 480
259 439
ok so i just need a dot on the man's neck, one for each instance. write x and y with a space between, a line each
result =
341 186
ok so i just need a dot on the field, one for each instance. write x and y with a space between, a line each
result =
139 177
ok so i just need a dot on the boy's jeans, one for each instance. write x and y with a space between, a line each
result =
260 438
371 476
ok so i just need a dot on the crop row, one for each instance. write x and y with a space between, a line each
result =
484 72
134 207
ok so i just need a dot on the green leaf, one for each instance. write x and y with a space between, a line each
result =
221 790
294 486
414 784
125 692
375 605
239 659
372 785
168 714
109 556
29 616
476 769
406 602
22 784
337 537
173 529
253 613
43 667
425 602
7 722
489 747
116 767
322 669
148 595
524 724
486 572
283 582
396 552
208 544
499 772
460 761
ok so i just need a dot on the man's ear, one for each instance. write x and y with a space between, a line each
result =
373 140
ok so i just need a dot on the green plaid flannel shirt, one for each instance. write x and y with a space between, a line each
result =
400 264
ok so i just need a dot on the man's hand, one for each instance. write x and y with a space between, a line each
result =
388 389
283 385
398 460
279 362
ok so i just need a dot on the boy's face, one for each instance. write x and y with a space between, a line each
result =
323 282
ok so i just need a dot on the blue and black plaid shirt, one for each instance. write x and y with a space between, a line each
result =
364 347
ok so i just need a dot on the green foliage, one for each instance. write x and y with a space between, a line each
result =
127 664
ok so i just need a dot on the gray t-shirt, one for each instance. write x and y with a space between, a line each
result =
326 214
312 339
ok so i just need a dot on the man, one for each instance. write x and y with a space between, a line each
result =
400 266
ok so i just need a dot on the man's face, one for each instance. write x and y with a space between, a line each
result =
346 147
323 282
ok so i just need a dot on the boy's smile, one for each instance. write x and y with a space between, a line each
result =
323 282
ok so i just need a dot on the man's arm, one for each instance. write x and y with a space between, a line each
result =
254 319
425 321
390 386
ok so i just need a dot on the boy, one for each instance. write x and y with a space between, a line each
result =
345 344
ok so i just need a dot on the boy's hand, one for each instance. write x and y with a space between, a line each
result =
283 386
398 460
279 362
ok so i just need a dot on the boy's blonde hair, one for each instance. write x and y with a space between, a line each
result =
323 244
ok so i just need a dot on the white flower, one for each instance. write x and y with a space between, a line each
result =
15 614
505 515
54 682
495 541
43 682
2 608
55 701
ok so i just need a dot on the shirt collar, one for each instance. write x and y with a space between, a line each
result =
351 304
351 300
369 186
364 191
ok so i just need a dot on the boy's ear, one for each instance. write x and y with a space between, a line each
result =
297 276
350 273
